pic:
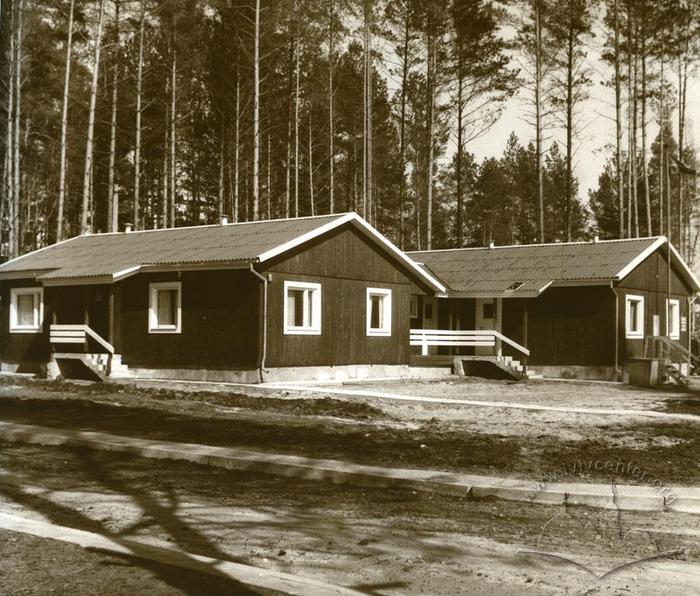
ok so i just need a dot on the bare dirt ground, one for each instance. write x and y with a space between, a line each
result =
33 566
377 541
451 437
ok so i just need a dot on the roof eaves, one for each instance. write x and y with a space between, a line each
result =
686 269
640 258
34 252
304 238
402 256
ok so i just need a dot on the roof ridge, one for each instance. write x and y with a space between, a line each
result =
216 225
576 243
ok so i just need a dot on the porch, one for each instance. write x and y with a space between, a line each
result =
82 332
484 336
451 346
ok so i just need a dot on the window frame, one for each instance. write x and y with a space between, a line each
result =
36 327
385 294
153 290
314 326
638 334
670 332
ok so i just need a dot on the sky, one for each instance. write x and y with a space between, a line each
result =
597 139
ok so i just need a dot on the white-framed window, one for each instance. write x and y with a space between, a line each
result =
26 310
634 308
165 307
302 308
673 318
378 311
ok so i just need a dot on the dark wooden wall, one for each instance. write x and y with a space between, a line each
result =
650 279
571 326
22 348
220 322
345 264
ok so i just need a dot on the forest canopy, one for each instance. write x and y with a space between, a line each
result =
164 113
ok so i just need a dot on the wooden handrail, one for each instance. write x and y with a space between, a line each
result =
450 337
84 329
667 341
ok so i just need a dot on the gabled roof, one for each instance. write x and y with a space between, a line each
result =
528 270
109 257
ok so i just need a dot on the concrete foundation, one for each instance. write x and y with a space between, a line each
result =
593 373
294 374
26 366
355 372
196 374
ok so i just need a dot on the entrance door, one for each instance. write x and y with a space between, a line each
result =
488 318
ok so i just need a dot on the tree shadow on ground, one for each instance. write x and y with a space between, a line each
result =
191 576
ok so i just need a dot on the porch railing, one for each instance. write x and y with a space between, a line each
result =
77 334
663 347
425 338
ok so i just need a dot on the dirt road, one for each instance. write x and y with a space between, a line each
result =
379 541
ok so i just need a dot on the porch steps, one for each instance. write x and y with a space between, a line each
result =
96 365
119 369
673 372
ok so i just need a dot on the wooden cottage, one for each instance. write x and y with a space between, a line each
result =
579 309
221 302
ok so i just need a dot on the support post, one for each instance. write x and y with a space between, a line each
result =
525 316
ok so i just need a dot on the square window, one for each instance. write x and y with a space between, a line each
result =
673 318
26 310
634 316
378 311
165 309
302 308
488 310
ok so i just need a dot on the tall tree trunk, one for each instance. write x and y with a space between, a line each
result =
290 101
112 221
64 125
256 113
311 171
222 162
8 177
137 144
269 178
682 90
365 109
402 127
618 125
297 74
630 133
237 151
662 149
173 130
17 184
569 127
431 64
84 226
331 140
166 175
635 183
538 118
645 168
460 148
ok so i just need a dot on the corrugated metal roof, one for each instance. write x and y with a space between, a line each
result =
526 270
108 254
